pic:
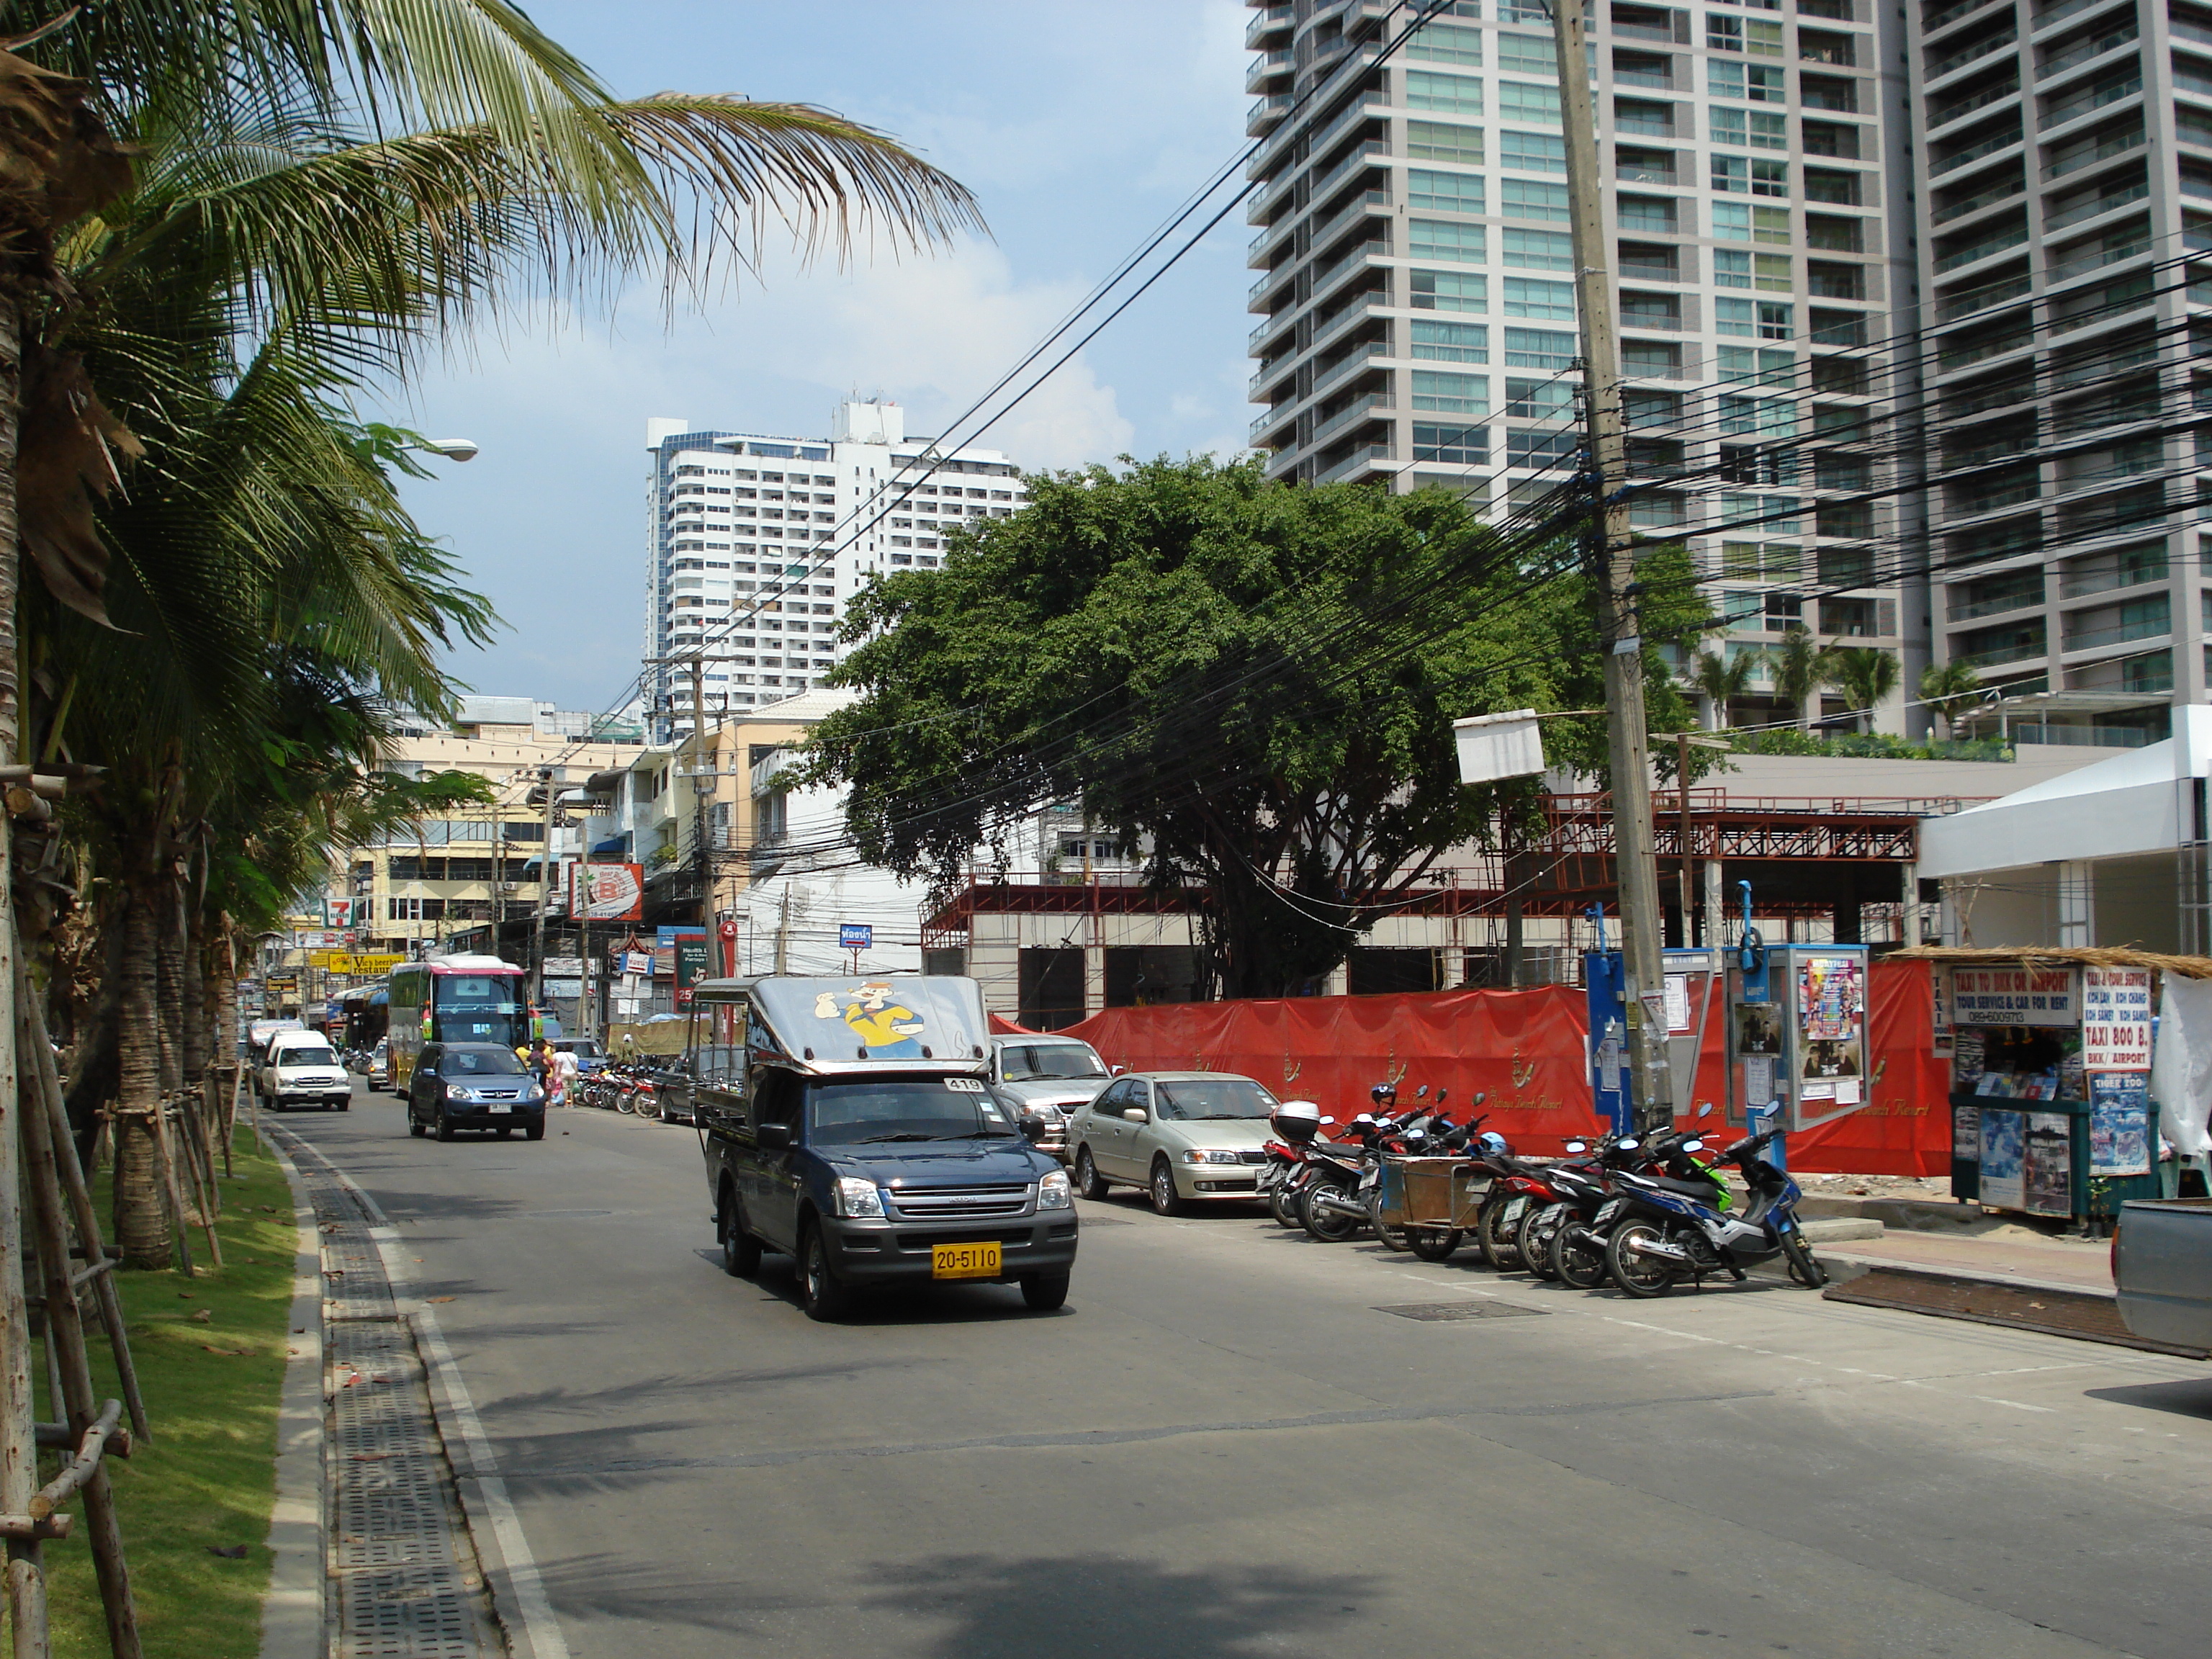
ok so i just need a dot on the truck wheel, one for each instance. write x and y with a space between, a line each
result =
533 1132
741 1251
444 1125
1044 1292
823 1296
415 1127
1088 1181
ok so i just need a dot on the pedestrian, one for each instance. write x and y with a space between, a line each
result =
540 1062
564 1075
629 1045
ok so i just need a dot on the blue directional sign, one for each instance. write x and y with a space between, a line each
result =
855 936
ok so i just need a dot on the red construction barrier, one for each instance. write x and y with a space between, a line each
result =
1525 1050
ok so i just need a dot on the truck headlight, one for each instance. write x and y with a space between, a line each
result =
1053 1192
1209 1154
859 1197
460 1094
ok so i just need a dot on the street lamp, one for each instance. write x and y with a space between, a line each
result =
454 449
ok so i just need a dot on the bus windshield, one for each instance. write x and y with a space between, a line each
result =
478 1008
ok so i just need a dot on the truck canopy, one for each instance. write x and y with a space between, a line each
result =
848 1025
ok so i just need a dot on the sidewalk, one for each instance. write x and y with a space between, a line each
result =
2004 1254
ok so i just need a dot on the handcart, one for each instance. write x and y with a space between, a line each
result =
1432 1201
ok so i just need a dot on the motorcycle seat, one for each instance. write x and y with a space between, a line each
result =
1704 1191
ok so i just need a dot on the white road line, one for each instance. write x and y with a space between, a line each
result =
539 1627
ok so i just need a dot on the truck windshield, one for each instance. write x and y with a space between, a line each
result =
1214 1097
861 1113
1028 1062
302 1053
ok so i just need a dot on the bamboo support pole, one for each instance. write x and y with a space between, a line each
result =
202 1205
29 1529
26 1571
65 1332
157 1126
99 1270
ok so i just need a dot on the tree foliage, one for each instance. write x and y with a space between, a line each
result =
1255 682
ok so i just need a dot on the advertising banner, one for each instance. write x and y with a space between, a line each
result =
2015 996
2116 1019
607 892
2119 1123
690 967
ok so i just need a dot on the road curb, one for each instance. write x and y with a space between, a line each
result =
292 1614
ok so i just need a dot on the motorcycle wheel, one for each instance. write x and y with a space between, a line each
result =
1638 1275
1433 1243
1394 1238
1326 1225
1578 1255
1802 1268
1283 1205
1498 1241
1538 1224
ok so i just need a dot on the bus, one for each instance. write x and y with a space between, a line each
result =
464 999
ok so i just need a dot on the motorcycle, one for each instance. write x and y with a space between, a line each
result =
1558 1241
1659 1235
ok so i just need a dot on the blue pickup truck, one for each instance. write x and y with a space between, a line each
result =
852 1125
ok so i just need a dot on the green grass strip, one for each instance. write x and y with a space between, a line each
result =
208 1480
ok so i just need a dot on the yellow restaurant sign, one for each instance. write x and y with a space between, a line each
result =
346 961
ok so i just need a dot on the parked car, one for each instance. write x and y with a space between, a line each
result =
2162 1270
380 1064
302 1069
473 1085
862 1138
1182 1136
1048 1078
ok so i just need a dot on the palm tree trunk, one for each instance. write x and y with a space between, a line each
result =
199 1002
170 968
141 1218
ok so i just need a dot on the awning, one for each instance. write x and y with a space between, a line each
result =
613 844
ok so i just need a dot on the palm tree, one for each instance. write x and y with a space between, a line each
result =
1866 675
1720 678
1948 687
1801 666
322 190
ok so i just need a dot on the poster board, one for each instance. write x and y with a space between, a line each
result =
2119 1124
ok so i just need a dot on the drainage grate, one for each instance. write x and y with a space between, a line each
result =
404 1578
2080 1314
1437 1312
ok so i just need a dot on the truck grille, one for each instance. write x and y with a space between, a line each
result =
960 1203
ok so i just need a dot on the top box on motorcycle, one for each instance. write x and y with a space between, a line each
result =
1298 1120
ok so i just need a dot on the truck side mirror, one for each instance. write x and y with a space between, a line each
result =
1033 1129
773 1136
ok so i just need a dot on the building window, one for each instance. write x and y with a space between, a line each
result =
1761 561
1769 271
1454 94
1440 43
1532 152
1537 348
1451 394
1540 450
1531 296
1736 174
1538 400
1751 82
1527 198
1439 141
1764 367
1767 319
1739 222
1444 239
1768 511
1538 250
1750 128
1451 343
1758 417
1453 193
1451 445
1529 54
1538 106
1652 215
1450 290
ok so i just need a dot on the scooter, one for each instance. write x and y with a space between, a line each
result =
1658 1235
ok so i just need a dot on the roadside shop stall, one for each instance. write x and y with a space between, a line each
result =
2052 1109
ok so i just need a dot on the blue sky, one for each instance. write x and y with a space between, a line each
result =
1079 127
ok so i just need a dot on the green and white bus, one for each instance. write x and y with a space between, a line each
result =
465 999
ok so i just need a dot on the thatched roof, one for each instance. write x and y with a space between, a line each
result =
2056 955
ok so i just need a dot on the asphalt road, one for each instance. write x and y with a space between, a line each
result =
1228 1443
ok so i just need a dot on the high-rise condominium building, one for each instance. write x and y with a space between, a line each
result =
2065 191
754 543
1415 296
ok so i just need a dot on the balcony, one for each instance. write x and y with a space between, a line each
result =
1971 352
2112 253
2082 586
1255 296
1373 201
1988 146
2110 92
1363 156
2076 56
1267 328
1950 15
1271 21
2026 644
1373 406
1358 461
2155 623
1983 250
1266 114
1361 357
1969 54
1269 421
1354 261
2058 14
1643 172
2091 210
2003 191
2019 599
1265 67
1942 115
2073 161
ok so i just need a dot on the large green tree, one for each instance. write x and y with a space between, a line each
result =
1256 681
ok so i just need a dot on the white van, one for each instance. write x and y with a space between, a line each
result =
302 1069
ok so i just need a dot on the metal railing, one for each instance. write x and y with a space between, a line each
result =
1988 146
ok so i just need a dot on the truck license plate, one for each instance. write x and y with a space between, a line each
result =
964 1260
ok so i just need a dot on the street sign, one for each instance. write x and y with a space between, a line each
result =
855 936
364 964
564 967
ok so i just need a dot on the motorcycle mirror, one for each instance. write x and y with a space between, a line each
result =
1693 1145
1325 1120
1441 1093
1478 1099
1629 1144
1706 1109
1578 1146
1421 1093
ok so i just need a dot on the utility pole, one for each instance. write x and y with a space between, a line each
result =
544 898
1614 567
702 858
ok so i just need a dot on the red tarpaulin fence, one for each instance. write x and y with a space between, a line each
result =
1525 1050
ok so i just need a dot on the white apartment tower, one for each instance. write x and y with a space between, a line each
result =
1415 299
2065 188
754 543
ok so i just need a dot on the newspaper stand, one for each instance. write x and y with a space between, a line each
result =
2050 1107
